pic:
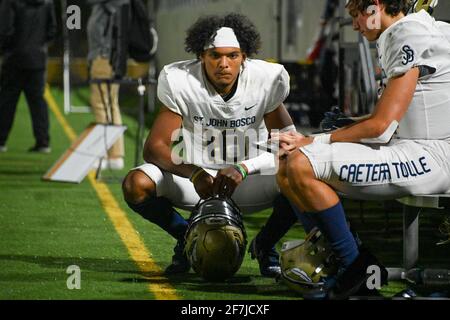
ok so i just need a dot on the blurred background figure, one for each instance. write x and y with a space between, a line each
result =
26 28
103 31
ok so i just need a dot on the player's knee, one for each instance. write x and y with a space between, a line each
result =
298 167
137 187
295 162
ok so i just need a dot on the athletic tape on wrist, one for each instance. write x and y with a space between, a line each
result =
323 138
289 128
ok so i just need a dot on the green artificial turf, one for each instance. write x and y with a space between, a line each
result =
45 227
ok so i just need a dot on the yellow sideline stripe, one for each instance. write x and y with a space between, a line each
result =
158 285
59 116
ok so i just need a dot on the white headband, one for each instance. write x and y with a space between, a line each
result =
224 37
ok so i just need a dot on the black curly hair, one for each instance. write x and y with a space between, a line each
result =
202 31
393 7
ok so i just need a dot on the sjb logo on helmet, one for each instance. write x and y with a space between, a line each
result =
216 239
306 263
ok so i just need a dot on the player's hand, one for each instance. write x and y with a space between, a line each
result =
203 184
226 181
290 141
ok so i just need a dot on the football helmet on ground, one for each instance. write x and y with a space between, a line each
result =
216 239
305 264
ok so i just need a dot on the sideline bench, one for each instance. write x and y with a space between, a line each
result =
412 206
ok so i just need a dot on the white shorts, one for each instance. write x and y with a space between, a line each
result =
381 172
255 193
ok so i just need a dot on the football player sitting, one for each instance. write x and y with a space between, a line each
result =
401 149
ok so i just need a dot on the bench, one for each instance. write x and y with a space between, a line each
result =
411 209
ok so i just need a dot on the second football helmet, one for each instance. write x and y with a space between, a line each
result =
306 263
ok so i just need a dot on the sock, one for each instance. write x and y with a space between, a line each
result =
160 212
307 219
280 221
335 228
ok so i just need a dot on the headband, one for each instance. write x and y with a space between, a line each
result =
224 37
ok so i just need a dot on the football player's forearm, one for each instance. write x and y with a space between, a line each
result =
365 129
388 112
264 161
164 159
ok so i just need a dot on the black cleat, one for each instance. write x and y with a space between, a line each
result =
180 262
351 281
269 265
355 276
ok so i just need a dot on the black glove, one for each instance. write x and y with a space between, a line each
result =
334 119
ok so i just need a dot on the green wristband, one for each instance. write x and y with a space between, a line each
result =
241 170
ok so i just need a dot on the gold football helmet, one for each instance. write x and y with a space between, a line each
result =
306 263
216 239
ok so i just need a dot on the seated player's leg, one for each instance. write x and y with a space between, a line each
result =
382 172
313 195
364 172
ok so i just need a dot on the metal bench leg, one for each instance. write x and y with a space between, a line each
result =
410 236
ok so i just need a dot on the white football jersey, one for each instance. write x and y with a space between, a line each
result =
184 89
417 40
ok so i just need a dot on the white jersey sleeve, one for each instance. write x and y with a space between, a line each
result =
407 46
165 93
279 91
417 40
